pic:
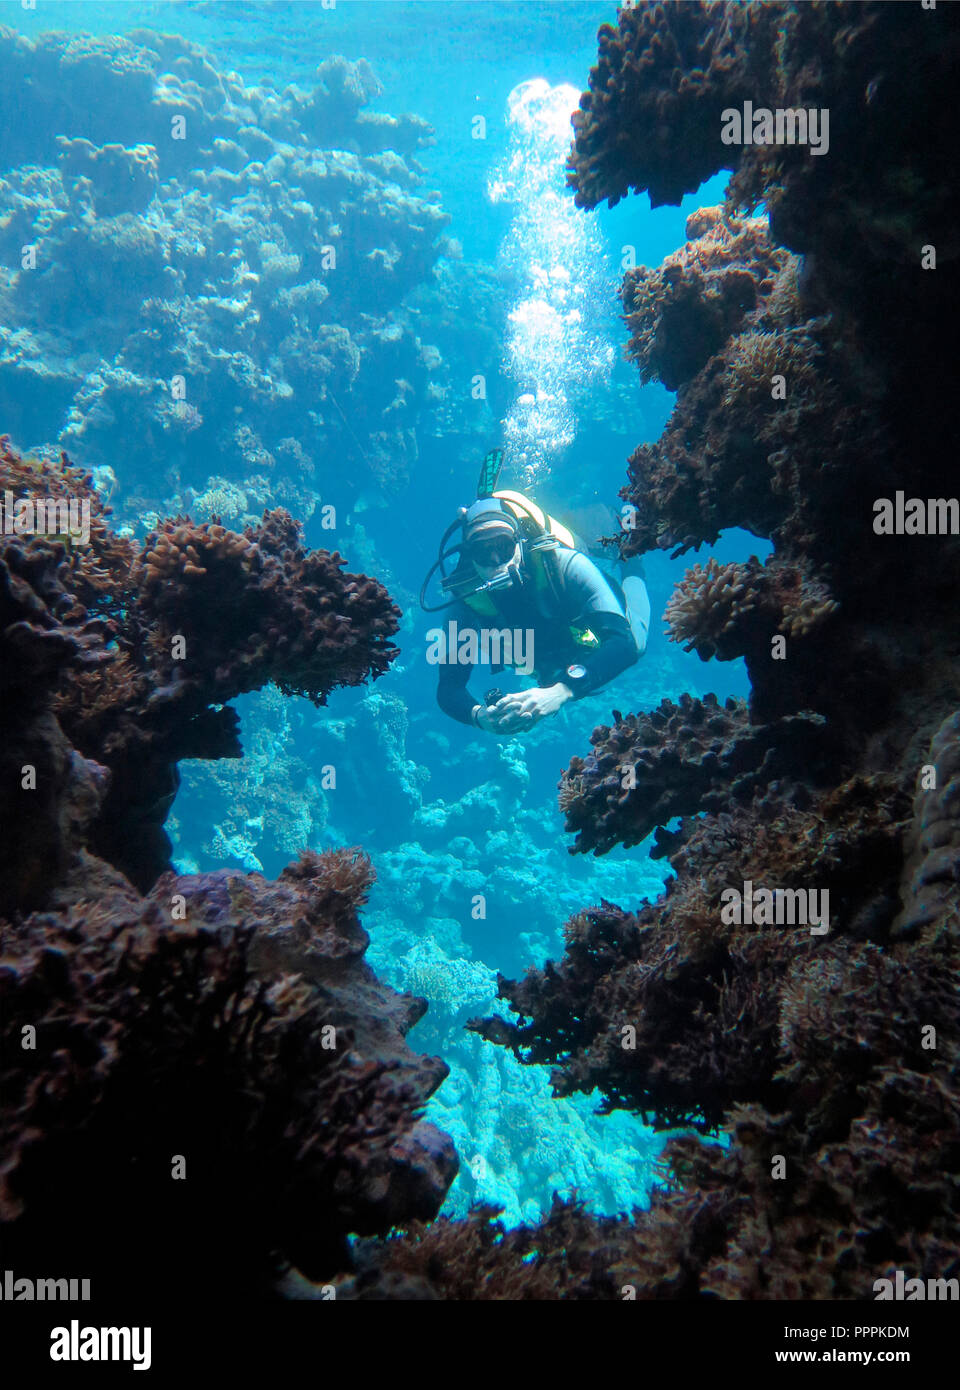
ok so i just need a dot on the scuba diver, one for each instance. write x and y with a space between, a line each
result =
524 571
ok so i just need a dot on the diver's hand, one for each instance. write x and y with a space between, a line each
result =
485 718
517 713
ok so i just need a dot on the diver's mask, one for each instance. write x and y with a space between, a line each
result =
500 553
486 556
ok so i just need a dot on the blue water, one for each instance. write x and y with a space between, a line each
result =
444 813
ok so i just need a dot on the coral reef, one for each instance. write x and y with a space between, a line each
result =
820 1045
214 1056
518 1143
568 1255
683 312
824 1048
167 634
226 1022
260 242
695 755
671 67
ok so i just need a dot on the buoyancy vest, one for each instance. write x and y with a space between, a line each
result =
540 563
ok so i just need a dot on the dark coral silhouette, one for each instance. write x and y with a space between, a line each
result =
223 1020
164 634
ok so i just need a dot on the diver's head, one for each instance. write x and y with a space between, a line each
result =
491 538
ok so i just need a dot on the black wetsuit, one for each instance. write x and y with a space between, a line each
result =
585 599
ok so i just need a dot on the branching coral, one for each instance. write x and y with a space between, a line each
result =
711 599
734 609
678 1011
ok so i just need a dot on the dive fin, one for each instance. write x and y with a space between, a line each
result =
490 473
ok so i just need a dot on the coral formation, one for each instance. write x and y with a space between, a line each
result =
831 1050
672 67
676 760
682 313
200 615
731 610
806 389
260 260
215 1056
234 1019
518 1143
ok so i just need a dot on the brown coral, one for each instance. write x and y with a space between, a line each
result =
735 609
154 642
668 67
677 759
230 1021
682 313
709 603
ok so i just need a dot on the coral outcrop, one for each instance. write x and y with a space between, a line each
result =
226 1023
261 243
170 633
210 1072
695 755
821 1043
674 68
683 312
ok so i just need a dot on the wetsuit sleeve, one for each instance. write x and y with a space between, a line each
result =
453 697
592 603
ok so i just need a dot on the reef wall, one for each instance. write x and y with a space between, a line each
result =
265 241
